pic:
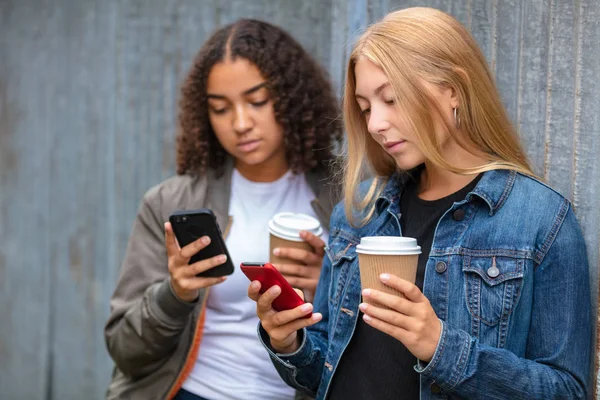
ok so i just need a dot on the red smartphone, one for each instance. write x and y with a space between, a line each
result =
268 276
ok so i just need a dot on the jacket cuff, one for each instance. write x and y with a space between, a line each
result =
449 360
299 358
167 306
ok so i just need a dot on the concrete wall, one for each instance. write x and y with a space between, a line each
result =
88 91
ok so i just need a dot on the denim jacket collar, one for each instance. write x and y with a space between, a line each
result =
493 188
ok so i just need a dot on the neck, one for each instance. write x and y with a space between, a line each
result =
436 182
268 171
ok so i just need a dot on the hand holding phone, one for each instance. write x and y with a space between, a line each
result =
184 280
281 311
189 226
197 256
268 276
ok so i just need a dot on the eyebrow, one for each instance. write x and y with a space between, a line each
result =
377 91
245 93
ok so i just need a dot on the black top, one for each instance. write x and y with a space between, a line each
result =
420 217
374 365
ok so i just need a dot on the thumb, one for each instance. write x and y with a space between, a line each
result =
300 293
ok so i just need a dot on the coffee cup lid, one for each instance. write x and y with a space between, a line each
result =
388 245
287 225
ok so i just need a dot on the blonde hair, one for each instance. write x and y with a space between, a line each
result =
426 44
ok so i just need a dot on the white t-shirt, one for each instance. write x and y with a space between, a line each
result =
232 363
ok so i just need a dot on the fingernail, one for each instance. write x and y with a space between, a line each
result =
223 278
276 251
316 317
384 277
275 290
366 292
366 317
255 285
222 258
306 307
362 307
206 240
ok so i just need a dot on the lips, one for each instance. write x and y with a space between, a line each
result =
389 145
248 146
395 146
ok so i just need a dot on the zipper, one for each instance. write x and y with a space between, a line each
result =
192 351
184 370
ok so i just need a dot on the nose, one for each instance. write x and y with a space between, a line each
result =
242 120
378 122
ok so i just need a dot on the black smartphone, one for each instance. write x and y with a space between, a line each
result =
191 225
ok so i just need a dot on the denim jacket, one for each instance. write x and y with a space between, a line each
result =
507 276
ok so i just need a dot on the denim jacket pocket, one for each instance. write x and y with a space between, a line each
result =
493 287
342 253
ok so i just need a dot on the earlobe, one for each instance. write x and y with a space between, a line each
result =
454 102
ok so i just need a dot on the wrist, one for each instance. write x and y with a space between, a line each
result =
433 343
282 348
183 295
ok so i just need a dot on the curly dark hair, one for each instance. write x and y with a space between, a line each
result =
303 99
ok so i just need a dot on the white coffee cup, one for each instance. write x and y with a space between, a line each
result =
287 225
284 231
388 245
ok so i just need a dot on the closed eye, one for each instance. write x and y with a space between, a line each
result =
259 103
218 110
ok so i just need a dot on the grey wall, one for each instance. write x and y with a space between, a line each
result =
88 91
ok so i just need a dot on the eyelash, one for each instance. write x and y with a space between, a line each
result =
260 103
255 104
368 110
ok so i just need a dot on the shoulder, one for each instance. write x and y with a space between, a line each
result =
536 207
537 200
174 187
537 187
176 192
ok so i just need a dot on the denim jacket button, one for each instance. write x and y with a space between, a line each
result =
493 271
459 214
435 388
440 267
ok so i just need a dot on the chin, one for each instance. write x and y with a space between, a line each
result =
406 162
252 159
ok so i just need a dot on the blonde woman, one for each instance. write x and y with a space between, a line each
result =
501 305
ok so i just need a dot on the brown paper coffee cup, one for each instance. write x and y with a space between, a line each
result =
279 242
372 266
392 255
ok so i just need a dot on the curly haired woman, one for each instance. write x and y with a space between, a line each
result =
258 128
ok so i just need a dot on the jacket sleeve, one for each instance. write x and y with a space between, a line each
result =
558 359
302 369
146 318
